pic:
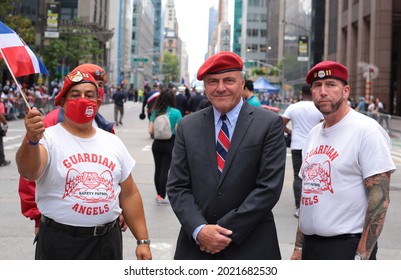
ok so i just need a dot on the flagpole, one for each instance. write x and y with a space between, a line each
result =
15 80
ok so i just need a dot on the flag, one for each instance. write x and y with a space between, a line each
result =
19 57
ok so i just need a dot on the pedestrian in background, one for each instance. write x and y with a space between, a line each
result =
82 187
196 97
361 106
162 149
249 95
150 96
119 97
181 100
3 131
345 175
303 116
227 171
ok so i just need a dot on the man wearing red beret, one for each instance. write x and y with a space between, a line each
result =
227 171
345 175
82 188
26 188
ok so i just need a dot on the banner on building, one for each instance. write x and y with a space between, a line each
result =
52 20
303 45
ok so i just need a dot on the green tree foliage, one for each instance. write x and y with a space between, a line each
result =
21 25
76 45
53 51
171 68
258 72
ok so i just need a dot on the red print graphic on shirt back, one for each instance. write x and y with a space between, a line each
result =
89 186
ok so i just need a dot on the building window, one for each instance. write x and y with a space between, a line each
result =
253 32
345 5
252 48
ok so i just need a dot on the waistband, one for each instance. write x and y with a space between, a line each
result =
341 236
94 231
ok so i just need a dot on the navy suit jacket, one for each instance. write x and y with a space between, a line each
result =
243 197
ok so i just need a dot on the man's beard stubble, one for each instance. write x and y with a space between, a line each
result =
334 107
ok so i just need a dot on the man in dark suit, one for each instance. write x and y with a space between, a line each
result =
181 101
227 215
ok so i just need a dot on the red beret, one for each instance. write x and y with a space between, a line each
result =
220 63
72 79
96 71
327 69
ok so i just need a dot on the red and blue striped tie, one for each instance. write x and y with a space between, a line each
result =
222 145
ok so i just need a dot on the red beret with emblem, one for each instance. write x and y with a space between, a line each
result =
220 63
72 79
327 69
96 71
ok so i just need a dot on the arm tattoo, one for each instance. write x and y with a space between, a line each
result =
378 200
299 239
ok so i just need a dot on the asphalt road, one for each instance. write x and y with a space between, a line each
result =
17 232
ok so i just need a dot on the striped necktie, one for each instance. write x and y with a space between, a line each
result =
222 145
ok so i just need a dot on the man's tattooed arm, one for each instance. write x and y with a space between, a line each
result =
378 187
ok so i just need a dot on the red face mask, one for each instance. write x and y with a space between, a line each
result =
81 110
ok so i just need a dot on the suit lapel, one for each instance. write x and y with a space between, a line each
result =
208 130
245 119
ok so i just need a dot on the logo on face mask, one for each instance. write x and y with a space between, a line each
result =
81 110
90 111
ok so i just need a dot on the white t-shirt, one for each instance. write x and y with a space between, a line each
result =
336 160
80 185
303 115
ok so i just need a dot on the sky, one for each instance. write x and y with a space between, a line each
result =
193 22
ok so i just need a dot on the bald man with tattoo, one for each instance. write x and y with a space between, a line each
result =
345 175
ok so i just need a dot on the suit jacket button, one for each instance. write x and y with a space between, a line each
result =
219 193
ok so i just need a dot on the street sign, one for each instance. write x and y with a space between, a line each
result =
249 64
140 59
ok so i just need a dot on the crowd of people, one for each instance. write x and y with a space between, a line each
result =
221 168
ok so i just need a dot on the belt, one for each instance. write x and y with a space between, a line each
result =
94 231
341 236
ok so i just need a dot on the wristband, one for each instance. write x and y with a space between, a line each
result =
31 142
298 248
143 241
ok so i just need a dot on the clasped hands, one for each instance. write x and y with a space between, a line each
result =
214 238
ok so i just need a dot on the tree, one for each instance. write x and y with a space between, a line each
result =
21 25
77 44
171 68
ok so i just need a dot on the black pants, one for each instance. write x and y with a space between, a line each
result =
162 153
341 247
55 244
297 183
118 109
2 157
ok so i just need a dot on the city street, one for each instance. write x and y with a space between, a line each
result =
17 232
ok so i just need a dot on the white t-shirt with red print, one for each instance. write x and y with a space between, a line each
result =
80 185
336 160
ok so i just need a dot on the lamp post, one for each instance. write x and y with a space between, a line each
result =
297 62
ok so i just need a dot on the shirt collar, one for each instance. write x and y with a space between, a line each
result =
232 115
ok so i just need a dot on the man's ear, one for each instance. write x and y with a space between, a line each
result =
346 91
62 102
98 104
